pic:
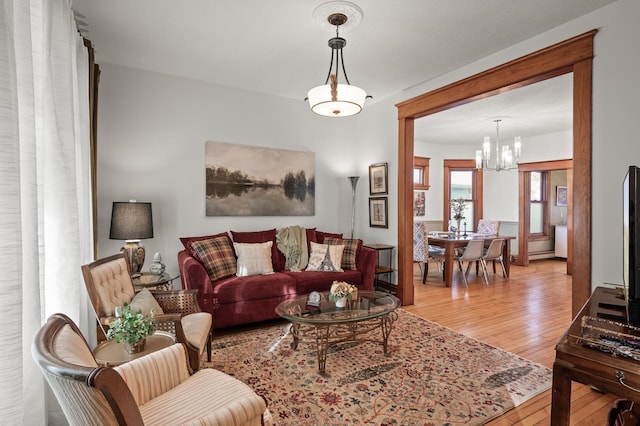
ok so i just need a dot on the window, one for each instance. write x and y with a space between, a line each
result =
420 173
462 180
538 205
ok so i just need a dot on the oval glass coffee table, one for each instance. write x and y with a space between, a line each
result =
327 325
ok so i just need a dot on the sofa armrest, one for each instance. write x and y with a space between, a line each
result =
152 375
367 261
194 277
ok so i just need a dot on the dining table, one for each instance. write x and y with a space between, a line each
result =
450 241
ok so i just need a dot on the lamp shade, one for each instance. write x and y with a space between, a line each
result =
131 221
349 100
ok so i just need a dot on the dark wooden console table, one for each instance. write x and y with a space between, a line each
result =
574 361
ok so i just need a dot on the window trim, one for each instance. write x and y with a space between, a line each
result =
421 164
545 188
477 189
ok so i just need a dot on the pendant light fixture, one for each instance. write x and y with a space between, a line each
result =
335 98
505 157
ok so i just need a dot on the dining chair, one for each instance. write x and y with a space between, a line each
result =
494 254
473 252
488 226
423 253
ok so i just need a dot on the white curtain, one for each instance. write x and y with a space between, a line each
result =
45 202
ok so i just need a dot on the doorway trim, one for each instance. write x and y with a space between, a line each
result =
523 209
573 55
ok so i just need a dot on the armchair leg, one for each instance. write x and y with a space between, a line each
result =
209 339
425 272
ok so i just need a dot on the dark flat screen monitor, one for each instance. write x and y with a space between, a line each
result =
631 244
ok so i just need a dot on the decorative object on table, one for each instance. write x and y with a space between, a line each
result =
465 230
561 195
342 292
378 210
157 267
354 183
314 299
333 99
244 180
505 157
457 206
378 179
131 328
132 221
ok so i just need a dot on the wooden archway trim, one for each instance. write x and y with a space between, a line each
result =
573 55
523 212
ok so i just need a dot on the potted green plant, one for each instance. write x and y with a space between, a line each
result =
131 329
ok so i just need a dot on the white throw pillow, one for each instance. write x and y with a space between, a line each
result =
325 257
254 258
144 302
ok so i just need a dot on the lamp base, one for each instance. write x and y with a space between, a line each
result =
134 253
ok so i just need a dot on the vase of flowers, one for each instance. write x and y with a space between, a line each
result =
341 292
131 329
457 206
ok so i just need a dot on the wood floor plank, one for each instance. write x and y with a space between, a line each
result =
525 315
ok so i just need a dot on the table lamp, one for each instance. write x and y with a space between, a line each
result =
132 221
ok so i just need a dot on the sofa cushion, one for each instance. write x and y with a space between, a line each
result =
145 303
277 258
321 281
254 287
320 236
187 242
319 261
350 253
216 255
254 258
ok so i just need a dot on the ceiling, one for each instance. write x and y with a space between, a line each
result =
277 47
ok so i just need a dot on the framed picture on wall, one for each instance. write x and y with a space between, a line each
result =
561 195
378 210
418 203
378 179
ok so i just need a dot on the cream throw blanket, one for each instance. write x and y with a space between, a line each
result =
292 241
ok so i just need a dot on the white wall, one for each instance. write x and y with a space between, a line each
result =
152 130
151 142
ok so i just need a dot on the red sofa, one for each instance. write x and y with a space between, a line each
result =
237 300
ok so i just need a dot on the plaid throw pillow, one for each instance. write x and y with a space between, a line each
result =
350 253
217 256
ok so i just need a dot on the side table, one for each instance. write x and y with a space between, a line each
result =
152 281
576 362
383 268
111 353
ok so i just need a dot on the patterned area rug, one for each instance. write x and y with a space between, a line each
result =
432 376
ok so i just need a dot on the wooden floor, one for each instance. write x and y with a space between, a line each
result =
525 315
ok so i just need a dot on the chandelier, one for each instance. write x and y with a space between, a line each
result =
335 99
505 157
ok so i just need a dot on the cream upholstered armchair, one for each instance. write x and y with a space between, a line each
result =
109 285
152 390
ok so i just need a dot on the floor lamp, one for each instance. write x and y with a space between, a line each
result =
354 183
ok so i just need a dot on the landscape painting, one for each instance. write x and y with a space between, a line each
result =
244 180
